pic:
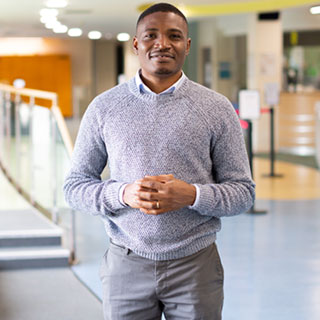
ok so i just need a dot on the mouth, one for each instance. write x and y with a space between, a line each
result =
161 56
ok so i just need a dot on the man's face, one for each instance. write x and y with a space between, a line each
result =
161 44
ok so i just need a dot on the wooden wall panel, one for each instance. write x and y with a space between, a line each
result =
296 121
42 72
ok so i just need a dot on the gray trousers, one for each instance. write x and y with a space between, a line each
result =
135 288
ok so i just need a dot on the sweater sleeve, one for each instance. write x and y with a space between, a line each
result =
83 188
233 191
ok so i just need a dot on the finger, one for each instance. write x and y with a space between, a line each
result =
150 196
152 184
143 189
143 204
139 187
136 202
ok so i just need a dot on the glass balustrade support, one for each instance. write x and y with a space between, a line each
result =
8 111
8 130
17 102
55 211
7 115
31 152
54 169
73 243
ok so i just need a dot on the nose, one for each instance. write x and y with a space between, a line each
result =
162 42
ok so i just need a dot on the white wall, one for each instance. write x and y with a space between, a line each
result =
106 65
131 62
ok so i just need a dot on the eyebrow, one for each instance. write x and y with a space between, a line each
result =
156 29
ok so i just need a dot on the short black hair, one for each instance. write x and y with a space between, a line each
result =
161 7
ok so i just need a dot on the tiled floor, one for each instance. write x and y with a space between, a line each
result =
272 262
296 183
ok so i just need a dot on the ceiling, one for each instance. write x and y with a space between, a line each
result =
21 18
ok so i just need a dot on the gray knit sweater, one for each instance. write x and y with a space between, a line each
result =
192 133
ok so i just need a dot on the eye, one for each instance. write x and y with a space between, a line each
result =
149 36
175 36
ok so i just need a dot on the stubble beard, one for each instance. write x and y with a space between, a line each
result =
163 71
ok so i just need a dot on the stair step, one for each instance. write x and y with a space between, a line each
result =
30 238
24 220
37 257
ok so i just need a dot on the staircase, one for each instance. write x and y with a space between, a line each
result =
30 240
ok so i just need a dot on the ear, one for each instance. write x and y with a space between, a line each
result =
188 46
135 45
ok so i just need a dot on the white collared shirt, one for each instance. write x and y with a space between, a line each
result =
143 88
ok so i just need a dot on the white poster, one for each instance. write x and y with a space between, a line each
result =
271 93
249 104
268 65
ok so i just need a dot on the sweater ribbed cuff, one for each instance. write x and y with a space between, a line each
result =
111 198
205 200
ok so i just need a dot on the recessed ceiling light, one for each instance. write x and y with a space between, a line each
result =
315 10
75 32
52 24
123 36
49 12
94 35
56 3
60 29
46 19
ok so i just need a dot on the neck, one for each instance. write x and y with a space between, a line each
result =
159 84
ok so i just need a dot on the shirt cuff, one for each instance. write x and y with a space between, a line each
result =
197 197
121 191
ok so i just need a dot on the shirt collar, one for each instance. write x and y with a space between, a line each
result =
145 89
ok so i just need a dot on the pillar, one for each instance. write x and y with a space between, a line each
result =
264 54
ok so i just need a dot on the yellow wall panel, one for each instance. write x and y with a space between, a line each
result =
42 72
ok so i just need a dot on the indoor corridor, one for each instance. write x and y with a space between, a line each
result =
263 56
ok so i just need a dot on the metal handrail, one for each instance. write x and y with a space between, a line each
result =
30 92
7 95
64 131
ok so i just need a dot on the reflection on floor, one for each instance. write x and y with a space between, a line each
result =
46 294
271 261
296 183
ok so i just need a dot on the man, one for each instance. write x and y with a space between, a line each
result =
177 165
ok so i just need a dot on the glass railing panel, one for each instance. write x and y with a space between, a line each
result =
25 148
63 166
65 215
35 149
7 132
42 156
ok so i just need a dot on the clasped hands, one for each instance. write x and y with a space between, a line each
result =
159 194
